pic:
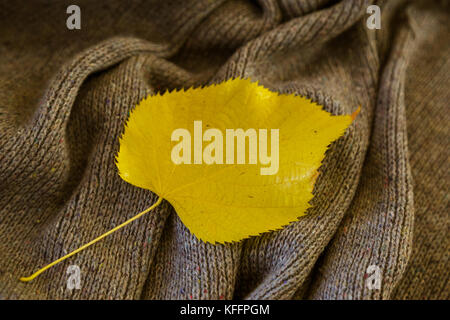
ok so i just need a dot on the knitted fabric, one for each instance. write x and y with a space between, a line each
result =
381 198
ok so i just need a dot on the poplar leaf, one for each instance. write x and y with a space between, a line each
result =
231 201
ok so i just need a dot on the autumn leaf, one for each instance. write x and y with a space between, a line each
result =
255 173
228 202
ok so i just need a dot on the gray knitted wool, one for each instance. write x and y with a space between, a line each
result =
381 198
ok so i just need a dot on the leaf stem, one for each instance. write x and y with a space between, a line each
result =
34 275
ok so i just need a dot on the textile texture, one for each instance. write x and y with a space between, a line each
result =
381 197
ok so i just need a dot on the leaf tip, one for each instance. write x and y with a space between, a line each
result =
355 113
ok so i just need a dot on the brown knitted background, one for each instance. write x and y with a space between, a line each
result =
381 198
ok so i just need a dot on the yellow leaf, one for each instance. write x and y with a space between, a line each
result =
230 201
222 192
